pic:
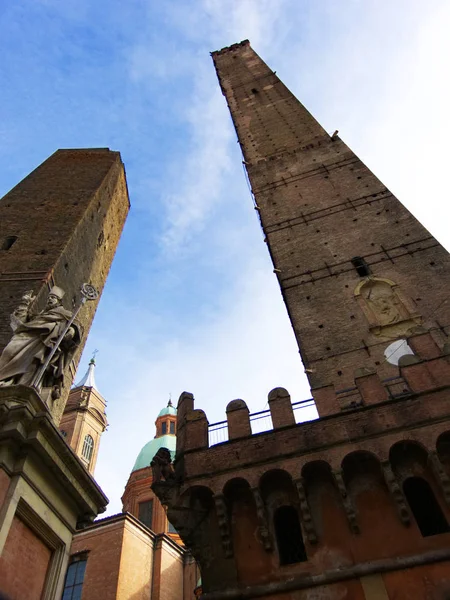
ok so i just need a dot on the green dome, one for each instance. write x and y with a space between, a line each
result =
169 410
147 453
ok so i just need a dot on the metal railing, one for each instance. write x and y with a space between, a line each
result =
304 410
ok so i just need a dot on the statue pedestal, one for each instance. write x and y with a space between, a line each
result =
46 494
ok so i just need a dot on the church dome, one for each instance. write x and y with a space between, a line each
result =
147 453
165 437
168 410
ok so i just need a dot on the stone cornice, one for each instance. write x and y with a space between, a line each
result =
28 431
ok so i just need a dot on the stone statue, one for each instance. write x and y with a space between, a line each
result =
162 467
34 339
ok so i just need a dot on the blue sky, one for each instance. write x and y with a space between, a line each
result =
191 302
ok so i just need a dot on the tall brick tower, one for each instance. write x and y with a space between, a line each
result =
355 504
354 266
61 225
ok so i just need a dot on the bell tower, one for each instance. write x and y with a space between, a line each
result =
84 419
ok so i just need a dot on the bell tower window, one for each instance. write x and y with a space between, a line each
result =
88 448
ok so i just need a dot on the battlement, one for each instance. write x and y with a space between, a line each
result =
230 48
427 370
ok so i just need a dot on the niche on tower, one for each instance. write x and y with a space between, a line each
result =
389 312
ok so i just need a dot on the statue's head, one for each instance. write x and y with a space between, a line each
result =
55 297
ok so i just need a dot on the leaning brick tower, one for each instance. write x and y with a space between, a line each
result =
354 504
61 226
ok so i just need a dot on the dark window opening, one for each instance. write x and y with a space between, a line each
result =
255 91
164 428
74 579
291 548
362 268
428 514
172 427
8 242
146 513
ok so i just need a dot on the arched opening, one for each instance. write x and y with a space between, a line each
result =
288 533
88 448
8 242
426 510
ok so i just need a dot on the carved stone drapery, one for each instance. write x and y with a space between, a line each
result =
263 523
224 524
441 476
307 520
396 493
346 501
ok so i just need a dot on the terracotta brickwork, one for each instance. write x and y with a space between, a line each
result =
23 563
127 561
354 504
84 415
67 216
319 207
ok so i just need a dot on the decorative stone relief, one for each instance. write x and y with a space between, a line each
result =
396 493
224 525
263 523
390 314
346 501
441 475
307 520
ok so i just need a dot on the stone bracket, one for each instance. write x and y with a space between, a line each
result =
263 523
307 520
441 476
224 525
346 501
396 493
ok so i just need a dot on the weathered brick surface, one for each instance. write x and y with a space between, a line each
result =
67 216
348 474
23 563
319 207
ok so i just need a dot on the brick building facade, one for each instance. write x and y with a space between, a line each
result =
355 504
137 554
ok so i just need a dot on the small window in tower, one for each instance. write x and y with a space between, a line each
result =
164 428
291 548
426 510
88 448
172 427
8 242
74 578
362 268
255 91
63 433
145 514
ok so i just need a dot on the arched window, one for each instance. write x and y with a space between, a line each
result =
291 548
88 448
428 514
164 427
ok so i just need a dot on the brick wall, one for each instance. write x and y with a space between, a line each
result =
23 563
